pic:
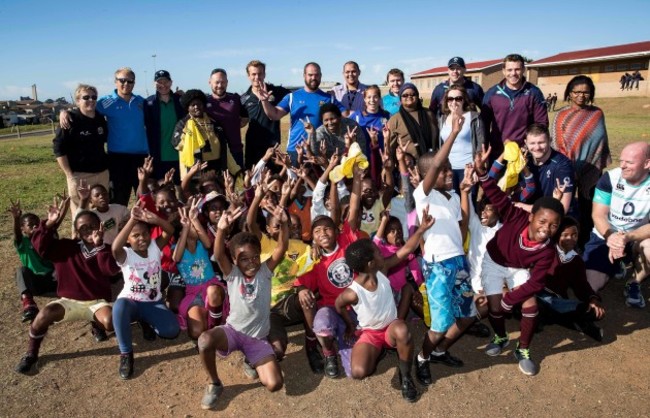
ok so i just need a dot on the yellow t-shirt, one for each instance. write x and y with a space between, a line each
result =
285 272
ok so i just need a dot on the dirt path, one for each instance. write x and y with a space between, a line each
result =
78 377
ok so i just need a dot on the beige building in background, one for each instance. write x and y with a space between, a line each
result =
484 73
604 65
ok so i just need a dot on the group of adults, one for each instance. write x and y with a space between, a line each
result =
629 81
573 153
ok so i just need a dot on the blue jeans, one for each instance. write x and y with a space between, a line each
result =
155 314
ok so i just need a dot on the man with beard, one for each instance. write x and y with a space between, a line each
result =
227 110
263 133
303 106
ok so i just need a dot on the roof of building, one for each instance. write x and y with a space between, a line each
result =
596 54
472 66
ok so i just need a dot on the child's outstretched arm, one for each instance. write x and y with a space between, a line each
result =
193 215
497 197
442 154
143 175
335 207
187 178
355 198
280 214
57 211
182 240
465 189
345 299
251 216
225 265
120 241
83 191
389 184
16 213
384 215
413 241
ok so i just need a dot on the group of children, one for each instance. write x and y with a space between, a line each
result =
235 265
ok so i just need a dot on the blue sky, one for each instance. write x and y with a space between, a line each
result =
56 45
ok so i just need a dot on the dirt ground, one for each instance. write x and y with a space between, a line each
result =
77 377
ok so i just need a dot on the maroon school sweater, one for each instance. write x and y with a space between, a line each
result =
570 273
507 248
82 274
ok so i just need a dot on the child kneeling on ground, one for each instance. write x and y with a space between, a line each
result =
249 292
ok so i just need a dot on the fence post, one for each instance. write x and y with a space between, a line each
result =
18 130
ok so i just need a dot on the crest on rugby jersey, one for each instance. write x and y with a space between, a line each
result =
339 274
620 186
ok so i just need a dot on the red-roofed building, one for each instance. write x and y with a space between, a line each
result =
484 73
604 65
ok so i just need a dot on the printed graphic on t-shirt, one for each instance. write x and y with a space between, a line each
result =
150 281
339 274
248 289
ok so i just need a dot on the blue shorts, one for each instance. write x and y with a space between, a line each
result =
449 292
596 255
557 304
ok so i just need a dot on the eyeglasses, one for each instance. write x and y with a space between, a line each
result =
86 98
408 96
456 99
582 93
125 81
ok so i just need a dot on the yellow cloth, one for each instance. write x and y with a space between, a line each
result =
345 169
191 141
516 163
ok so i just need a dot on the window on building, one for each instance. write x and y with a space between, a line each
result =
554 72
635 66
543 73
609 68
573 70
621 67
564 71
595 69
477 79
584 70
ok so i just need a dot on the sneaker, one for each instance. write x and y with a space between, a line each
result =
148 332
211 395
29 313
590 329
633 296
26 363
315 360
126 366
331 367
409 391
479 330
250 371
422 372
526 365
621 271
497 345
98 332
446 359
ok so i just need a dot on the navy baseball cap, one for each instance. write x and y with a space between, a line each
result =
161 74
456 61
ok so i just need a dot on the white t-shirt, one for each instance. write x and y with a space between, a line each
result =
375 310
443 240
142 275
479 237
461 152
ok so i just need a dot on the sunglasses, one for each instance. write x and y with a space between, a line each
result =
456 99
125 81
408 96
86 97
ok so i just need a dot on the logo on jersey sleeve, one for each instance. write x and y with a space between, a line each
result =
339 274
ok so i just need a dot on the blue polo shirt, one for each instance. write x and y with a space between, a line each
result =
391 103
557 167
301 104
126 133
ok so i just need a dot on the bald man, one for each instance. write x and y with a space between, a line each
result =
621 215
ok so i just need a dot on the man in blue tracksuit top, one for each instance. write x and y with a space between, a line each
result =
512 105
456 70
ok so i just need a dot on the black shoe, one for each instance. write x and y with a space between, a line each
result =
591 330
331 367
315 360
479 330
422 372
26 364
98 332
126 366
409 391
148 332
29 314
446 359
